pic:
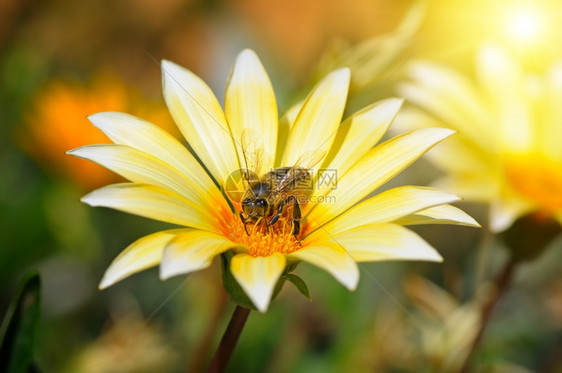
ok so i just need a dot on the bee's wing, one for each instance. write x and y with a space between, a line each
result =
252 152
310 159
299 170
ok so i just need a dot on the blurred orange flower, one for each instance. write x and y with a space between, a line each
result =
58 122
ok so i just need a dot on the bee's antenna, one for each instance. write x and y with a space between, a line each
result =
246 172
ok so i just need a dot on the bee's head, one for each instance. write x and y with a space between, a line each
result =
254 208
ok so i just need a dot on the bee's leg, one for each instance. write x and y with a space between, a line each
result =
278 214
266 224
244 221
296 216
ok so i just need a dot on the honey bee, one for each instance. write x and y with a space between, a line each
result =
266 197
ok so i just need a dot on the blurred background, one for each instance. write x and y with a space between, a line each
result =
61 61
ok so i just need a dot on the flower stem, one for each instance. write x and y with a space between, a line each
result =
501 283
229 339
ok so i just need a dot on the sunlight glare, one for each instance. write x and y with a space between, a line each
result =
524 25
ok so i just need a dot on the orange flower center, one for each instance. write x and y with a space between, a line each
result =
264 240
537 178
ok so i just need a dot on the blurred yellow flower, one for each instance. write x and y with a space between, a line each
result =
170 185
374 60
129 345
312 24
447 329
507 152
58 122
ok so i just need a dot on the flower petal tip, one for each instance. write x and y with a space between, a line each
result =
92 198
343 74
72 152
247 66
352 286
168 271
108 279
170 70
396 102
87 199
261 306
247 55
167 63
351 280
431 256
446 132
104 284
471 222
96 116
103 118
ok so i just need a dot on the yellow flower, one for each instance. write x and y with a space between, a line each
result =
507 152
169 184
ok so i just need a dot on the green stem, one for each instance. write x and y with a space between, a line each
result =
502 282
229 340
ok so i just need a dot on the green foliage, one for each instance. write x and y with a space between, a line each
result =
299 284
19 327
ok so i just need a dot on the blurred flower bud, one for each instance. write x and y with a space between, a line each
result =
530 235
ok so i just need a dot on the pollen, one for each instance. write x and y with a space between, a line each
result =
264 240
537 178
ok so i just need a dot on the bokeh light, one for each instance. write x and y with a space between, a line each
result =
525 24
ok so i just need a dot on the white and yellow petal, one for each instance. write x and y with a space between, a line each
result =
379 165
140 167
452 98
388 206
142 254
317 122
459 154
250 106
258 276
192 251
201 120
442 214
332 258
379 242
285 125
152 202
360 132
125 129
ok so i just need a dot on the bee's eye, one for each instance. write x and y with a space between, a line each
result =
261 202
246 201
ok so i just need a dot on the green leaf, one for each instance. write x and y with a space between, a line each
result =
291 266
278 287
19 327
299 284
230 284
